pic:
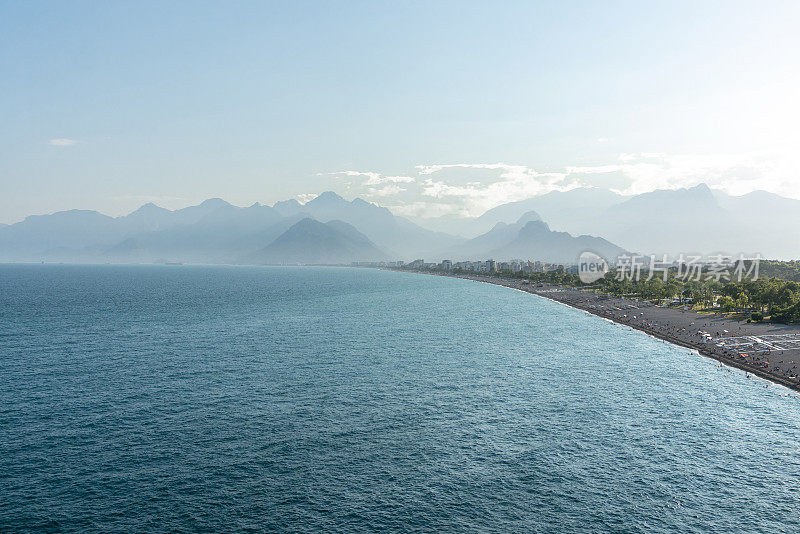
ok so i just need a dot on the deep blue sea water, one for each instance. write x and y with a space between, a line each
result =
182 398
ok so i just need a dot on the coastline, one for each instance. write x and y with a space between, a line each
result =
663 324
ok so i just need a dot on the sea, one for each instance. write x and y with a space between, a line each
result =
319 399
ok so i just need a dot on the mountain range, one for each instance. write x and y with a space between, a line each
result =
330 229
212 232
531 238
667 221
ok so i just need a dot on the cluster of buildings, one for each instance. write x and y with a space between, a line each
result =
485 266
627 266
490 266
378 264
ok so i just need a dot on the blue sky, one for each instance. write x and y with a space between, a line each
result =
429 108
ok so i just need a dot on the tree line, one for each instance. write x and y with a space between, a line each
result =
774 295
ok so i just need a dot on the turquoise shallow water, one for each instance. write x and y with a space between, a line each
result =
309 399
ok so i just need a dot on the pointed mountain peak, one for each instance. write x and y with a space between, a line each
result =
700 192
328 196
307 222
148 208
287 208
143 209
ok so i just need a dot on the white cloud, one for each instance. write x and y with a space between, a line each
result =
369 175
373 178
394 180
469 189
302 198
506 168
386 190
734 173
512 182
426 209
62 142
597 169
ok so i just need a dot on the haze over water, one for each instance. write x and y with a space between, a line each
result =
222 398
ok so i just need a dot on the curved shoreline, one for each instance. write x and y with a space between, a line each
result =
700 348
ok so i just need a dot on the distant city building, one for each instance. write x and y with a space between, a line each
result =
447 265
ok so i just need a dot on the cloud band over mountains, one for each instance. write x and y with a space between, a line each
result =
469 189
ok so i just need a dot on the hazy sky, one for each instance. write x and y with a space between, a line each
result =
428 108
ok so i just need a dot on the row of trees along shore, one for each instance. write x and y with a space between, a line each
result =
773 296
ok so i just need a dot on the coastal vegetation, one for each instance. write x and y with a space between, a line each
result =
772 296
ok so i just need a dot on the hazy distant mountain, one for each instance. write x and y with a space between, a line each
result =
148 217
663 202
567 210
763 203
536 241
213 231
396 234
766 222
573 211
500 234
690 220
699 220
221 236
665 221
672 221
83 235
288 208
151 217
531 239
73 229
313 242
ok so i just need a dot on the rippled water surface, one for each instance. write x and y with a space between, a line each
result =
310 399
